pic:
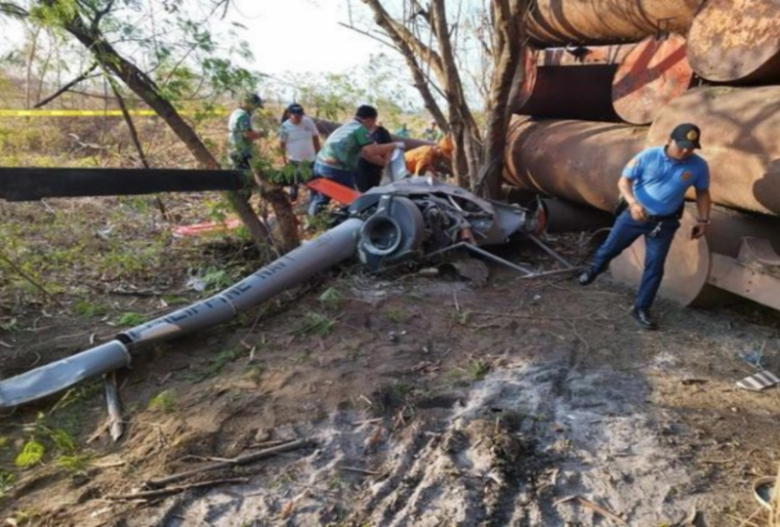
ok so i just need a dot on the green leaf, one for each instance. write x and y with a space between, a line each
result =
31 454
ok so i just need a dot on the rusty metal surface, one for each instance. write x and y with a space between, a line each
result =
563 22
740 141
573 160
652 74
568 92
563 216
581 56
687 266
746 281
736 41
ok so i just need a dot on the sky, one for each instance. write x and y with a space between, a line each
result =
303 35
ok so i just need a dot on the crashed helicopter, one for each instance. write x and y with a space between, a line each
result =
408 219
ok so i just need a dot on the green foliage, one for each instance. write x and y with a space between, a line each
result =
88 309
314 324
216 210
7 480
74 463
3 442
216 365
62 440
216 279
174 300
131 319
164 402
478 369
32 453
330 299
398 315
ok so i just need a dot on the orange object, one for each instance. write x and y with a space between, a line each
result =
204 228
651 75
447 146
420 158
333 190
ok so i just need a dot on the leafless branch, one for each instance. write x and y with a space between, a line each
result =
367 34
84 76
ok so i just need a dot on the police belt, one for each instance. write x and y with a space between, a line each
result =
658 219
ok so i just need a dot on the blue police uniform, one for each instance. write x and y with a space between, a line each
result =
659 184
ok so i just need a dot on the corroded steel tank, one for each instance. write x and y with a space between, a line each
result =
691 278
740 140
574 160
564 22
568 92
629 82
655 72
736 41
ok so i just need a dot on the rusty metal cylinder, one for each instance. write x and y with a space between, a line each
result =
688 275
574 160
740 141
563 216
655 72
568 92
629 82
736 41
564 22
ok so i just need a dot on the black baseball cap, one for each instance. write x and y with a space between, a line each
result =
295 108
252 99
687 135
366 112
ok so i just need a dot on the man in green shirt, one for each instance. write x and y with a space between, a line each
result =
338 157
240 132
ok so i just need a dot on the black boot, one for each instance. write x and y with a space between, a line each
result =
586 277
643 318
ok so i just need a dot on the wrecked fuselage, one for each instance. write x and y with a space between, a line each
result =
409 219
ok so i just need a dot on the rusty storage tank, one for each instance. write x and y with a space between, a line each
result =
692 268
655 72
565 22
568 92
740 140
570 83
736 41
574 160
629 82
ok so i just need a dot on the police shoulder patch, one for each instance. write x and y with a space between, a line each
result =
686 176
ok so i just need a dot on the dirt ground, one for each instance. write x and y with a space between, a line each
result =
429 399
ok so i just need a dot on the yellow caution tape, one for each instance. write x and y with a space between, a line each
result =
94 113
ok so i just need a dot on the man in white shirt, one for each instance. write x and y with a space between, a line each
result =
300 142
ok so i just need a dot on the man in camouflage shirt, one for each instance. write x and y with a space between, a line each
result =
240 133
338 158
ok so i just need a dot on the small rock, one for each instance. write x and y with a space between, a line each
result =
392 337
429 272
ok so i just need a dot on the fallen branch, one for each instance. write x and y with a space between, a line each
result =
150 494
592 506
241 460
30 279
116 425
360 471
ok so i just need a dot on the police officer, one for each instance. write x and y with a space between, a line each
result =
652 188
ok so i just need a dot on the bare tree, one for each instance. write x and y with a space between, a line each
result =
478 153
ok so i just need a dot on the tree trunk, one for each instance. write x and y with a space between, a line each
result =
146 89
508 73
285 216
